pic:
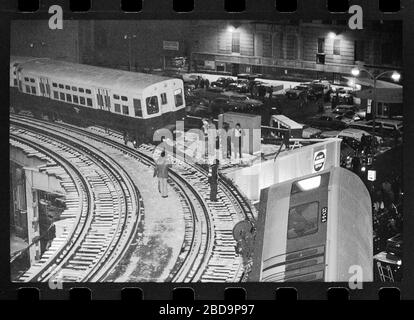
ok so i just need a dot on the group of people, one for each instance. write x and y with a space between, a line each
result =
228 140
201 82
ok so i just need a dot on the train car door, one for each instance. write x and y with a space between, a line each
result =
44 87
104 102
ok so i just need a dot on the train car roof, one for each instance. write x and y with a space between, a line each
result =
91 75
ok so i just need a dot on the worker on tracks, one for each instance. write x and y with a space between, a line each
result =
161 171
213 180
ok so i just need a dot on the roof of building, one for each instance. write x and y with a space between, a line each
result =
73 73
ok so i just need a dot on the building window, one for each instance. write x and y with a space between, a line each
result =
321 45
88 91
61 86
32 80
27 89
123 98
15 82
267 44
137 107
68 97
359 50
82 100
291 47
337 47
55 95
125 110
89 102
117 107
54 84
74 89
152 105
116 97
235 42
75 99
163 98
62 96
33 90
178 95
81 90
26 79
67 87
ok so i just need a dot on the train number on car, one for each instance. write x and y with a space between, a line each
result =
324 214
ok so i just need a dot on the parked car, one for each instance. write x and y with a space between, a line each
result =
344 95
326 122
356 134
222 82
239 85
383 127
297 92
343 108
348 117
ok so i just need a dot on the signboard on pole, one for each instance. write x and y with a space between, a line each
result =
170 45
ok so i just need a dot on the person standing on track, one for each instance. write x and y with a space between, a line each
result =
161 171
213 180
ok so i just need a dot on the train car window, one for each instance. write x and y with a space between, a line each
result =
75 99
55 95
54 84
117 107
178 95
125 110
152 105
28 89
88 91
89 102
116 97
68 97
137 108
123 98
32 80
303 220
82 100
81 90
33 90
67 87
26 79
62 96
163 98
74 89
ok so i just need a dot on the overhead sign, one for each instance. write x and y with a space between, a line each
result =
319 159
170 45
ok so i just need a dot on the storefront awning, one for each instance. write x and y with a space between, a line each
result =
386 92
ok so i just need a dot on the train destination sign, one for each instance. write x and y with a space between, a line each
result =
319 159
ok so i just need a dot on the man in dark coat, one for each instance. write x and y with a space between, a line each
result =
213 180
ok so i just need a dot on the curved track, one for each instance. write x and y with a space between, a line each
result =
208 252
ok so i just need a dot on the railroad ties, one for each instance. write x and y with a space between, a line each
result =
102 221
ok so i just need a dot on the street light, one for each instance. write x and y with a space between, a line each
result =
129 37
395 76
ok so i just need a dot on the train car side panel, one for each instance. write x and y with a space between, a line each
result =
354 233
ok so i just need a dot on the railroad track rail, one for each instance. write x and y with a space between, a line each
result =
111 208
208 252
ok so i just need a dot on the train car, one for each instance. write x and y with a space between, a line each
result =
136 103
316 228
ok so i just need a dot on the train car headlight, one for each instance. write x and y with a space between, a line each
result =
309 183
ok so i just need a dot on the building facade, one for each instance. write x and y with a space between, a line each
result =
315 48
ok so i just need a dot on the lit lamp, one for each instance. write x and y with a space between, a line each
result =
394 76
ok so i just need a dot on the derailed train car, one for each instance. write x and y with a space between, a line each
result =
136 103
315 228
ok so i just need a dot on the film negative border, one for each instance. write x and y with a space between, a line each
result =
254 10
